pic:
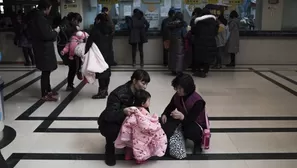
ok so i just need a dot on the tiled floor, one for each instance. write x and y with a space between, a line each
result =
252 111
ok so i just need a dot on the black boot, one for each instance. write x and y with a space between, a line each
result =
197 148
102 93
232 63
110 158
141 60
134 59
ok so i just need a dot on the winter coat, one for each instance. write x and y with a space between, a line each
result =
93 61
233 41
80 37
23 37
143 133
67 30
205 32
101 35
118 99
164 29
177 45
138 27
221 38
43 37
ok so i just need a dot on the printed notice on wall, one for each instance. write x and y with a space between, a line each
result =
136 3
152 18
164 11
127 10
177 4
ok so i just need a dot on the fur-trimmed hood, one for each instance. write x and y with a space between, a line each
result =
205 17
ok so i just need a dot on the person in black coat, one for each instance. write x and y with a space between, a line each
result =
43 37
205 32
138 27
101 35
69 26
117 108
166 35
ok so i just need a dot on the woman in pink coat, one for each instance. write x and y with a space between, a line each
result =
141 133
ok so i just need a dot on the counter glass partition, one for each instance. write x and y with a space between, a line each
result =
157 10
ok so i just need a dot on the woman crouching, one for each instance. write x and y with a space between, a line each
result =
186 108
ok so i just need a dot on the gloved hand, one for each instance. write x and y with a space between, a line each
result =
57 29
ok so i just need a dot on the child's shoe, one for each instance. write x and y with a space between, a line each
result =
139 162
128 154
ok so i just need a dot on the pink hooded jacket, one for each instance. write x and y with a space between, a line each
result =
143 133
78 38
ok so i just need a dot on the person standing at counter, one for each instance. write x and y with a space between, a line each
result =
233 41
105 10
205 32
166 34
43 37
178 31
138 27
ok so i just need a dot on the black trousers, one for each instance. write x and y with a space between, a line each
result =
45 83
29 56
191 130
202 67
3 163
140 49
74 67
165 56
103 83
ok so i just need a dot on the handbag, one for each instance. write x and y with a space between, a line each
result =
205 132
177 144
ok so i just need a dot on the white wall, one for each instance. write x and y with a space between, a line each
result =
272 15
289 21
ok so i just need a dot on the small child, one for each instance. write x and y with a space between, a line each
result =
76 39
141 133
221 41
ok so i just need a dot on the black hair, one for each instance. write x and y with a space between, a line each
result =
44 4
234 14
77 17
197 11
171 13
104 9
141 75
102 17
179 16
205 11
185 81
141 97
74 16
222 19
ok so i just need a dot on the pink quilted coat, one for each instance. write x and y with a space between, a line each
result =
143 133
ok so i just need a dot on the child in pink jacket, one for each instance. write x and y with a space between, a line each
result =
141 133
69 49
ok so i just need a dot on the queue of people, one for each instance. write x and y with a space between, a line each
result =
204 42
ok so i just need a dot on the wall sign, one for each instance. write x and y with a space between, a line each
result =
108 1
152 1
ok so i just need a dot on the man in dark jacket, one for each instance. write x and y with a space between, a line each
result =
117 108
205 31
165 34
43 37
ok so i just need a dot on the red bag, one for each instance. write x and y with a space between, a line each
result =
206 134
